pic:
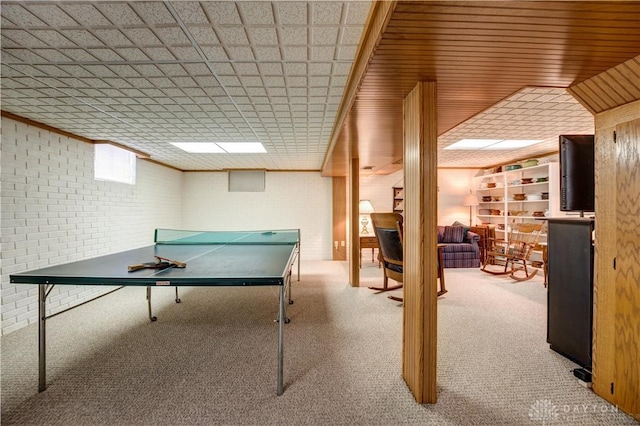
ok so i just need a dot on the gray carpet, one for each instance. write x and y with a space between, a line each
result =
212 359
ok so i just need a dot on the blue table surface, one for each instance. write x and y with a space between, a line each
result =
207 264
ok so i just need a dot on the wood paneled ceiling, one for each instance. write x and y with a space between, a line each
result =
480 53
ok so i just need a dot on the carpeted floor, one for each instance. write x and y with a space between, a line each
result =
212 359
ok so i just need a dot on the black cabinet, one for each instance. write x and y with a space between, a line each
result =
570 294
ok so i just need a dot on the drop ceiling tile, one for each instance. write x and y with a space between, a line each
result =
172 36
294 36
241 53
357 12
85 14
197 70
322 53
324 35
190 12
263 53
172 70
204 35
215 53
222 13
119 13
296 68
133 54
153 13
24 55
297 81
49 37
294 54
233 36
104 54
263 36
346 53
256 93
52 15
15 14
257 13
326 13
140 36
297 91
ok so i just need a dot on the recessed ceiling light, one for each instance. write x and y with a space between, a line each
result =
492 144
199 147
242 147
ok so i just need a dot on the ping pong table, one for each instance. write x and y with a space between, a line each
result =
181 258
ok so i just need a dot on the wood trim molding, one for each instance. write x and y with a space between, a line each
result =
43 126
30 122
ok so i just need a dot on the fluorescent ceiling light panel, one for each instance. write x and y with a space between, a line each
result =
242 147
199 147
492 144
472 143
512 144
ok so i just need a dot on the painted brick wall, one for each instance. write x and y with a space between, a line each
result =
53 212
290 200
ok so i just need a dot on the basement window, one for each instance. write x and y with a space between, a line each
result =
114 164
246 181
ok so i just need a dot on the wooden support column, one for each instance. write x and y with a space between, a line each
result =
420 242
339 248
354 231
616 320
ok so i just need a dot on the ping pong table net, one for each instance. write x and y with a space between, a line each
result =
266 237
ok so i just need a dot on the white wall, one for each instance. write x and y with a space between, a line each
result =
53 212
379 190
299 200
453 186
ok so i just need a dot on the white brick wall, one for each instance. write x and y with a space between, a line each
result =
53 211
290 200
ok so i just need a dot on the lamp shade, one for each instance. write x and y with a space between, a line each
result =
365 207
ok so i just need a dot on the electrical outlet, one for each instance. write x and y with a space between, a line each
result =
342 243
335 244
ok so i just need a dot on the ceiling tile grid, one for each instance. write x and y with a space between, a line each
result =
532 113
145 74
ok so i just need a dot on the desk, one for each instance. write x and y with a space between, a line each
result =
226 258
368 241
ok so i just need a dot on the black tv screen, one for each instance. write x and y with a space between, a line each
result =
577 187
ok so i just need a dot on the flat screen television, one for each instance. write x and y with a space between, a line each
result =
577 187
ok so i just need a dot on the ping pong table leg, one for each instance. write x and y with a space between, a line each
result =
151 317
42 338
281 316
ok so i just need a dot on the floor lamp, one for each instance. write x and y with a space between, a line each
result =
471 201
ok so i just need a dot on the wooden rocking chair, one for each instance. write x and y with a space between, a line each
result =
514 252
389 230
